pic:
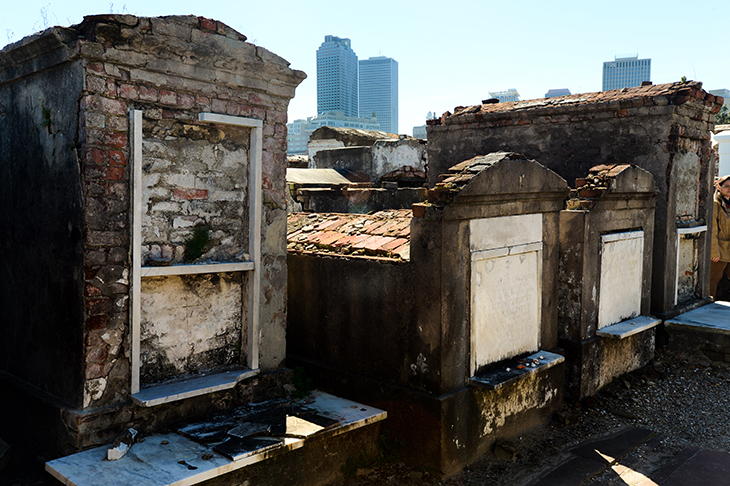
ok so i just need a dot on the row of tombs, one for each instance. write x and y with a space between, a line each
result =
146 279
470 316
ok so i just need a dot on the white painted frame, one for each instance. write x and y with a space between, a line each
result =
253 265
680 232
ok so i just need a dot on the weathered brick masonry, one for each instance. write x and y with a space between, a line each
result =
65 96
664 129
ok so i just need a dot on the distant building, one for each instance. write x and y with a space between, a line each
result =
554 93
725 93
504 96
379 91
337 77
299 131
625 72
420 132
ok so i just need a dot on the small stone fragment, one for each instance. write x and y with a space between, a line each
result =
121 445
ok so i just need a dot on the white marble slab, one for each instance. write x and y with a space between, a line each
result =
505 307
622 257
152 463
628 327
504 231
193 387
195 269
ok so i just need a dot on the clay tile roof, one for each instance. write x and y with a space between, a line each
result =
660 94
382 235
351 136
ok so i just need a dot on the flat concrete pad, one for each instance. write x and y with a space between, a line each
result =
715 317
168 459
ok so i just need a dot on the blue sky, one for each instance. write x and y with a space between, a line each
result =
450 53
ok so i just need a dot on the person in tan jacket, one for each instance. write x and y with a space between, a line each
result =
720 258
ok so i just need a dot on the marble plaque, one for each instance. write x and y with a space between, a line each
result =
505 305
504 231
622 257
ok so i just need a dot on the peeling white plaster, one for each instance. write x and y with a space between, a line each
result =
93 390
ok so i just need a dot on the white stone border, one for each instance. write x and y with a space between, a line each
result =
680 232
227 379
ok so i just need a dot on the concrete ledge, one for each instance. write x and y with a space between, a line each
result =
713 317
628 327
168 459
193 387
516 371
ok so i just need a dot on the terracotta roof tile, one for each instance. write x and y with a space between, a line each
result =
661 94
382 235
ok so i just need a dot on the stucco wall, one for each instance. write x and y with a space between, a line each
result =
664 129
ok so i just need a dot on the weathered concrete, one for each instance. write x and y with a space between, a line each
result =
606 241
375 157
405 339
65 95
664 129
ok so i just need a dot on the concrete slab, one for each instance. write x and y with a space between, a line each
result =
315 176
628 327
715 317
192 387
516 370
167 459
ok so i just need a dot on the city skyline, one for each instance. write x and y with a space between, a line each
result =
443 63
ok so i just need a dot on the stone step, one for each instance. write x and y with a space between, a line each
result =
264 444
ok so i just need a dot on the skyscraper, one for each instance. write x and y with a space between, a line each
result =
337 77
379 91
625 72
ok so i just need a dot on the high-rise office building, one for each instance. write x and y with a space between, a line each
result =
337 77
625 72
379 91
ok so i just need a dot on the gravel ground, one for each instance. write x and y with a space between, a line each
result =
684 400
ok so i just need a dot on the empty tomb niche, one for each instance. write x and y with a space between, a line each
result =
194 216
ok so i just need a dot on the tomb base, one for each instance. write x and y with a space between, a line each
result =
703 333
593 363
448 432
59 429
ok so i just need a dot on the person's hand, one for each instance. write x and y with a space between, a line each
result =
715 260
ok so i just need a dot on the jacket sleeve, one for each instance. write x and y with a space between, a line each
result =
716 214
